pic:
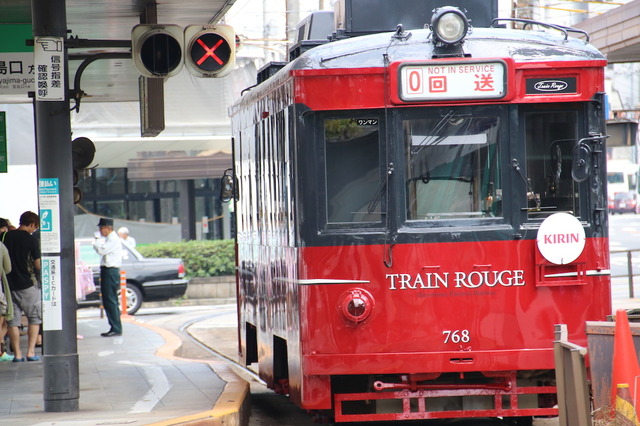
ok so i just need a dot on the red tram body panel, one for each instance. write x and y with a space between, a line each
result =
406 245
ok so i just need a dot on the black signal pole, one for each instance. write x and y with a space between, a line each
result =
55 181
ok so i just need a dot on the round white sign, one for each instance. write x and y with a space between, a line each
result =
561 238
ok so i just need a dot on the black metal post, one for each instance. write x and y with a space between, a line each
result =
630 271
54 162
187 209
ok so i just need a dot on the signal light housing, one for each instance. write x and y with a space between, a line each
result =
157 50
83 152
449 25
210 50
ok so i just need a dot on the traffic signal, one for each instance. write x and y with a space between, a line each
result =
82 153
210 50
157 50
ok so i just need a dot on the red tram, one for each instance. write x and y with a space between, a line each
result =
416 210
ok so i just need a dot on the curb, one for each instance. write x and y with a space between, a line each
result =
233 405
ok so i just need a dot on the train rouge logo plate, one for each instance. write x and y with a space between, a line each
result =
561 238
545 86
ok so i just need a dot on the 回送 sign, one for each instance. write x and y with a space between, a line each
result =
452 81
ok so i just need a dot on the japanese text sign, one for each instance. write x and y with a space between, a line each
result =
452 81
49 68
17 75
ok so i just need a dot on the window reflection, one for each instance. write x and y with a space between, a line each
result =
109 181
352 170
109 192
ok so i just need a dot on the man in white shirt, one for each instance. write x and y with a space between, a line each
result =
110 250
123 233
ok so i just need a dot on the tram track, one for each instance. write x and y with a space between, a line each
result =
219 340
219 354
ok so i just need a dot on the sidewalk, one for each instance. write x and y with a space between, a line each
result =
130 379
620 296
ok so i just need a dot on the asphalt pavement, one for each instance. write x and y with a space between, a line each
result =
148 376
133 379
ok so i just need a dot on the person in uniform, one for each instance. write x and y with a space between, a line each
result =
108 245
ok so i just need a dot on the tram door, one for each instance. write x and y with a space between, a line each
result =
550 137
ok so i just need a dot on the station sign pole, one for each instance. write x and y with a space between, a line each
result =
55 179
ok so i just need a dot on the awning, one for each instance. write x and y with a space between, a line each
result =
179 168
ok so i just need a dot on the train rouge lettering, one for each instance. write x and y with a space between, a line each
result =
561 238
475 279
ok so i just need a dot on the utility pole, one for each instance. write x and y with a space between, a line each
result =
292 17
55 181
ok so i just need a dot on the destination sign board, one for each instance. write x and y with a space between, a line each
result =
452 81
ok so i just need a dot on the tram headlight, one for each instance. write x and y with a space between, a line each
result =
356 305
449 25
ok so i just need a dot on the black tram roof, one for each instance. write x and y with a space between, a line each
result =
368 51
522 46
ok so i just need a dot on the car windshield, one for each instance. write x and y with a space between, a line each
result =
88 256
615 177
130 253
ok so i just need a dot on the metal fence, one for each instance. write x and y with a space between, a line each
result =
630 273
571 379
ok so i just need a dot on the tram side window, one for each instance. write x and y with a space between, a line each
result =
550 138
453 167
352 170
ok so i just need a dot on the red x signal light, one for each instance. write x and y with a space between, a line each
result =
210 50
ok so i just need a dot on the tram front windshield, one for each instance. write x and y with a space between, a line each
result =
486 164
452 167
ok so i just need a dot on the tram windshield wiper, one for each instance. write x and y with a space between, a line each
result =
433 137
516 166
373 204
